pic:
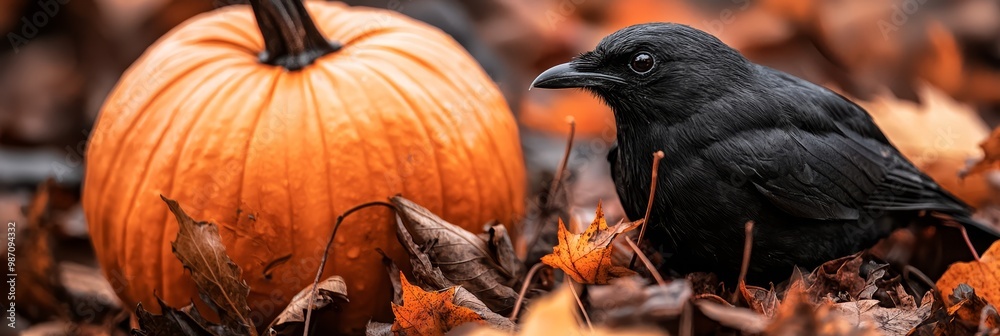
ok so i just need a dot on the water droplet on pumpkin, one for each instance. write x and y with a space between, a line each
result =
354 252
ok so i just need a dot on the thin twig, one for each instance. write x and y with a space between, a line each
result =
645 260
965 235
687 320
524 289
326 253
560 171
649 204
572 288
565 159
910 270
747 247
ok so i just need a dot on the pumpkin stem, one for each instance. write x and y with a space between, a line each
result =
291 39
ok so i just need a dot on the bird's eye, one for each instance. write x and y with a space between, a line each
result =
641 62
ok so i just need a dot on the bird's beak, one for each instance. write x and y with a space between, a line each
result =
564 76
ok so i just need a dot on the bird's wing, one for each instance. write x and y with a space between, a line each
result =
832 162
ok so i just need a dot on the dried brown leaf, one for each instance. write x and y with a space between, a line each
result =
630 301
555 314
888 321
991 155
39 291
218 278
170 323
742 319
797 315
839 278
330 293
462 257
965 314
763 301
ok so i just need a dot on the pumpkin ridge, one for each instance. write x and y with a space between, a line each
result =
116 156
350 117
458 141
150 160
412 108
165 258
269 95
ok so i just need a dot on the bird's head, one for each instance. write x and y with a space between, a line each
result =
652 68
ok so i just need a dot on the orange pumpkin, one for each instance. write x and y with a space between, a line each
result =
273 153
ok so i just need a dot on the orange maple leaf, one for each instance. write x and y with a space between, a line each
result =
587 257
991 155
429 313
982 275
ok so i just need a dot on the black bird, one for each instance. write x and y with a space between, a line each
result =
747 142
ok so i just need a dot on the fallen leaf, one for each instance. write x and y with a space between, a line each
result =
991 155
964 313
393 271
798 315
333 291
423 269
839 278
462 257
587 257
983 275
462 298
630 301
760 300
218 278
555 314
429 313
888 321
39 293
170 322
738 318
502 248
91 298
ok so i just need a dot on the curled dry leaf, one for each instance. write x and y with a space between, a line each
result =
38 290
464 258
218 278
738 318
888 321
171 322
966 314
333 291
555 314
797 315
429 313
631 301
423 270
840 278
991 155
983 275
763 301
586 257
